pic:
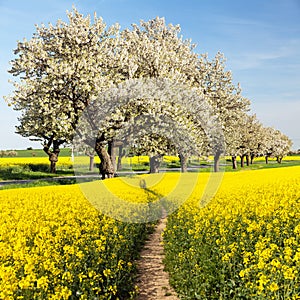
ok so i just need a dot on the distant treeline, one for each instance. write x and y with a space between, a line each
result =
29 152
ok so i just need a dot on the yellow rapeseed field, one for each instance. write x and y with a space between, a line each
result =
22 161
54 244
245 244
10 161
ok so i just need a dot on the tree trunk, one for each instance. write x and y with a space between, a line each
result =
154 163
217 161
267 159
234 163
183 163
53 162
121 155
111 153
119 163
252 158
279 159
91 167
242 160
53 155
106 167
248 160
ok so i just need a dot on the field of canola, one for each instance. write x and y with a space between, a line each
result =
23 161
245 244
55 245
66 161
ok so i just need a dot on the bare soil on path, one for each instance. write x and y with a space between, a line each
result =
152 280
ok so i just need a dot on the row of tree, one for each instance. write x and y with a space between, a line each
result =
144 89
10 153
254 140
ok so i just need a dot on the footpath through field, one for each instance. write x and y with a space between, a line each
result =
153 281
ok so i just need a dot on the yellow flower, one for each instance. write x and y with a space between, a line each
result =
276 263
42 283
263 280
289 273
92 273
107 272
297 256
261 264
288 253
67 276
242 273
80 254
273 287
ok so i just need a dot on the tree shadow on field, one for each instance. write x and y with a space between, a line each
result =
32 171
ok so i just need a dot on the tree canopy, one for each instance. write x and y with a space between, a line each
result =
146 86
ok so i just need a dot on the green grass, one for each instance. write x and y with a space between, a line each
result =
64 152
260 164
31 171
37 183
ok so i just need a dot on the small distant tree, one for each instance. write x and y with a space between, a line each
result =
275 144
234 139
250 139
12 153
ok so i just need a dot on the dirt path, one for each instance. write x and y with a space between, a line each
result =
153 281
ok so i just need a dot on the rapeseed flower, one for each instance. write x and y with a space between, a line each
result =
54 244
246 240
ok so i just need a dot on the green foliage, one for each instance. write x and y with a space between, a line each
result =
64 152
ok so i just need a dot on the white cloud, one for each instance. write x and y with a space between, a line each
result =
259 57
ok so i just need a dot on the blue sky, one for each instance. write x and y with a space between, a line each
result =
260 39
